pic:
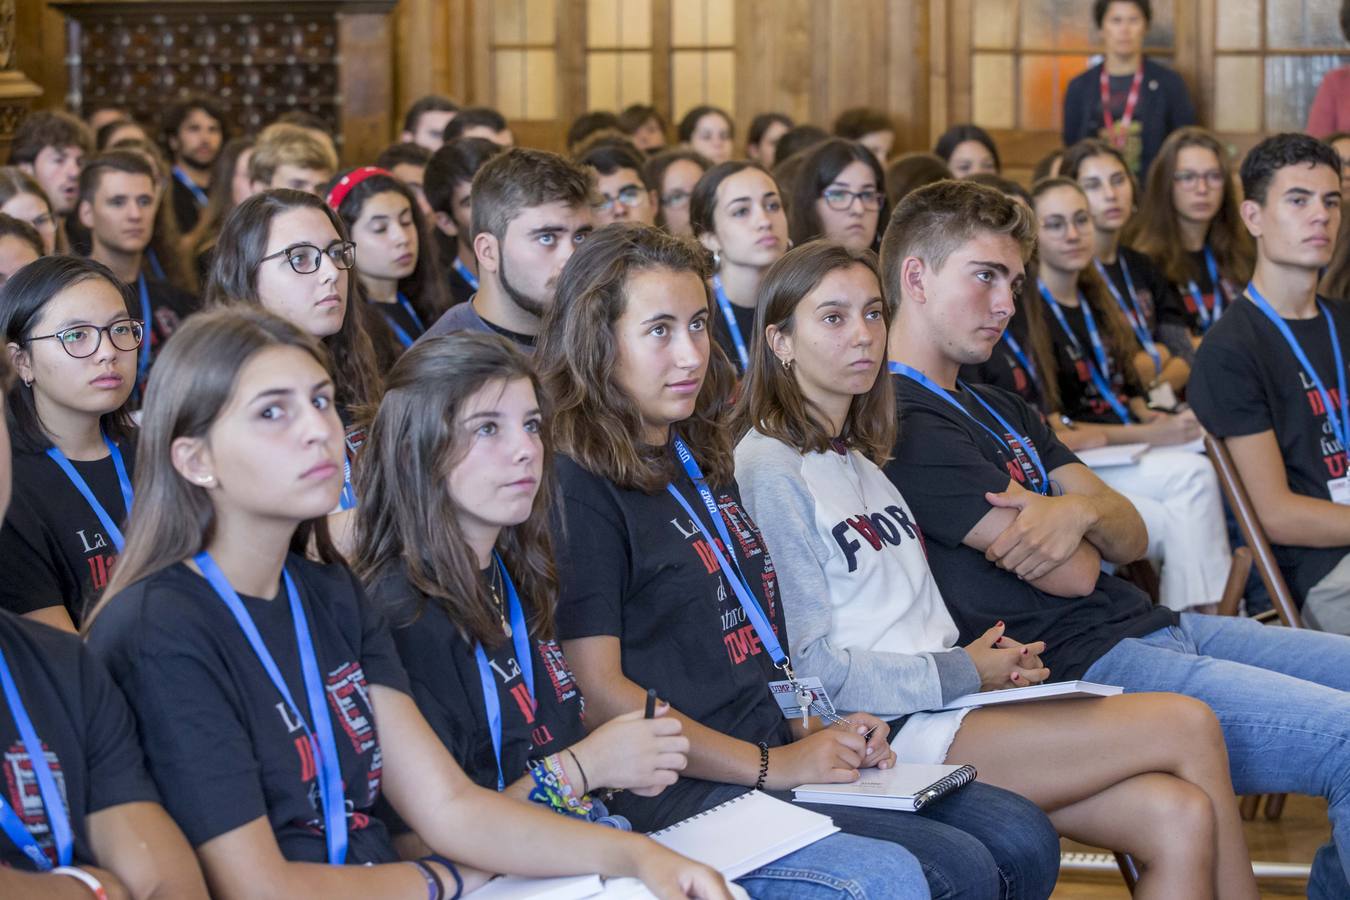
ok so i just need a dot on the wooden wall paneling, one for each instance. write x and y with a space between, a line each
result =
431 55
17 91
907 72
481 87
40 48
939 68
775 60
661 64
368 115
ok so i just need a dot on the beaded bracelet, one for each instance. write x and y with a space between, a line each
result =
763 766
551 788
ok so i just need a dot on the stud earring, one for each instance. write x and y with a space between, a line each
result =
787 366
205 480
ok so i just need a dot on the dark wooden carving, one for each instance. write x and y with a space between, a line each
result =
257 59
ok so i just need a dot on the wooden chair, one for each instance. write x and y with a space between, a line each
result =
1262 556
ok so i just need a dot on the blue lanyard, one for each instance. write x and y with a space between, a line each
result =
520 638
1340 423
469 278
1023 360
197 193
749 604
1043 487
325 747
147 323
348 499
399 331
1207 316
152 260
1133 312
58 818
114 533
1099 372
729 315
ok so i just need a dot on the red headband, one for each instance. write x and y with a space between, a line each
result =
351 180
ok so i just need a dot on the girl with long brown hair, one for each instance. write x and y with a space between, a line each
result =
649 598
818 420
218 622
229 187
1188 223
23 198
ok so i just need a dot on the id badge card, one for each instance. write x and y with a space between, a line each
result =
1339 488
801 698
1162 396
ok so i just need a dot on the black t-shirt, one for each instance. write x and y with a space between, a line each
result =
1079 397
460 289
185 206
85 727
443 671
1246 380
633 565
944 464
55 549
1157 297
1205 284
219 740
1004 370
745 321
169 306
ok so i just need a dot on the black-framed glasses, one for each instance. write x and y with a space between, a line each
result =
80 341
305 259
629 195
842 198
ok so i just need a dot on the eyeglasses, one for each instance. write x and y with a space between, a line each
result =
629 196
306 258
841 199
675 199
1056 225
1188 179
81 341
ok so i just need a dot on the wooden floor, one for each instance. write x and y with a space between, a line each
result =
1293 839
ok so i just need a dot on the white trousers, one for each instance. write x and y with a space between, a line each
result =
1177 494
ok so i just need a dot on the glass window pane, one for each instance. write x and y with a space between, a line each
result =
994 22
635 79
992 90
1238 26
602 80
1294 24
541 77
1043 83
1162 31
698 76
1291 84
1237 93
1047 24
508 22
721 22
509 83
635 23
721 87
602 24
687 23
540 22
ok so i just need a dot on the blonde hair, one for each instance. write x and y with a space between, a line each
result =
283 144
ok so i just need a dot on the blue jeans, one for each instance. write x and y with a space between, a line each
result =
842 865
1282 698
977 843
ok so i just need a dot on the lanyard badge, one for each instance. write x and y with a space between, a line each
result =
123 480
1208 315
520 638
1099 372
1134 314
1118 136
53 802
729 316
469 278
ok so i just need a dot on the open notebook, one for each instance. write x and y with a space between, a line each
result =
1060 690
908 787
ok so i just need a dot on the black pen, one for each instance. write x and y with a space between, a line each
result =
651 704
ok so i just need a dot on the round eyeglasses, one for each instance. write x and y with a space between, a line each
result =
80 341
628 196
305 259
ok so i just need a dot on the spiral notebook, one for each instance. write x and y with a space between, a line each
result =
1059 690
907 787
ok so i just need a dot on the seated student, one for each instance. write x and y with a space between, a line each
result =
737 214
645 127
795 140
480 122
20 244
1144 295
215 590
109 833
23 198
401 282
194 131
872 128
761 139
51 145
100 113
449 188
230 186
968 150
709 132
120 130
531 209
163 258
588 125
292 157
673 174
1001 551
74 339
474 606
839 194
911 171
424 123
408 163
631 370
1188 223
1048 166
817 417
118 203
622 194
1270 376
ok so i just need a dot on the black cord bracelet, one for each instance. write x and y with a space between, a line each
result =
454 873
585 782
435 887
763 766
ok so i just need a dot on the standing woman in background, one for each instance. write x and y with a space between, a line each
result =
737 214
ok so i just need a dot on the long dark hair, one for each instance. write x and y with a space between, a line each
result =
1154 230
22 300
202 238
957 135
771 400
406 516
820 166
594 420
234 279
192 381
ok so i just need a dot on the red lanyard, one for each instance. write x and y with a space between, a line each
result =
1117 138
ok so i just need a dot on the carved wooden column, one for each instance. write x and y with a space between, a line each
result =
257 58
16 92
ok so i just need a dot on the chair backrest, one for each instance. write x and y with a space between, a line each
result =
1252 532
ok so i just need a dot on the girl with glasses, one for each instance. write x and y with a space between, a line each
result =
839 194
73 338
1188 222
674 173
